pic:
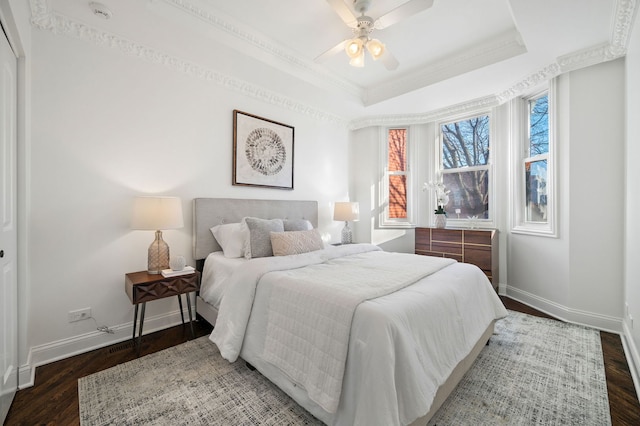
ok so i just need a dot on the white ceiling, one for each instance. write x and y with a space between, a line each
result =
483 46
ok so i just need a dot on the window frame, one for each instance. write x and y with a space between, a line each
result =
452 219
384 221
521 155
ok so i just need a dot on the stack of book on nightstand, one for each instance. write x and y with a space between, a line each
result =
185 271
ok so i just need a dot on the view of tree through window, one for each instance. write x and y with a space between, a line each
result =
397 166
536 173
465 167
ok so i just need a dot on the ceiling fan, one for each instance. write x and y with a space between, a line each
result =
362 27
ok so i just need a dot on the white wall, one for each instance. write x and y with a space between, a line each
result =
596 223
107 127
632 193
577 276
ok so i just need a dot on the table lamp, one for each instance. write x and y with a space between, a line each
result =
346 211
156 214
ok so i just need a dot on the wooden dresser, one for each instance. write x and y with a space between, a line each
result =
477 246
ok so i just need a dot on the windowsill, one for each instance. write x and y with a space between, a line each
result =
397 226
537 232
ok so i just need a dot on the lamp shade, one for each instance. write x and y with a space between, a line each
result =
358 61
346 211
354 48
157 213
376 48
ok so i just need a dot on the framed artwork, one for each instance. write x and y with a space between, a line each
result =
262 152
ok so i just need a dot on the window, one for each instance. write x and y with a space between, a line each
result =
533 206
396 199
536 158
397 175
465 167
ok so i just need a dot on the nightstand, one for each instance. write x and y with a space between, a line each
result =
142 287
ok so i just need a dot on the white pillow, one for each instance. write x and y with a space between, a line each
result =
231 237
295 242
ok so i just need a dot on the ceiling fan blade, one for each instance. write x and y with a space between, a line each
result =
343 12
335 49
401 12
390 62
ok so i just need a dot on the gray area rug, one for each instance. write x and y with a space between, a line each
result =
534 372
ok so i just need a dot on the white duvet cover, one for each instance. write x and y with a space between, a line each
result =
215 276
402 345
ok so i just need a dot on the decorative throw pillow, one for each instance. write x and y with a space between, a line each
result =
231 237
259 241
297 225
296 242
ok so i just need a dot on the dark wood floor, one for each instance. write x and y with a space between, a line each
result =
54 398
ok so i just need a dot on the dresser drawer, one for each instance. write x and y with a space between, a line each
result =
479 256
476 246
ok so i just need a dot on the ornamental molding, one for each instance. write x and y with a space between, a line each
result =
44 19
623 20
427 117
264 44
616 48
506 46
529 83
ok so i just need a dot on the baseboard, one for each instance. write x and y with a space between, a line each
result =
65 348
575 316
633 357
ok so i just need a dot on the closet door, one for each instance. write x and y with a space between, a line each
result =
8 229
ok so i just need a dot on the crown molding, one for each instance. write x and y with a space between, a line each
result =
44 19
529 82
506 46
622 26
624 13
427 117
264 44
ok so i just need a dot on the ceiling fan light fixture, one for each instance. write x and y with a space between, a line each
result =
358 61
375 48
354 48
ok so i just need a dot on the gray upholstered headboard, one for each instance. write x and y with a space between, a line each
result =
209 212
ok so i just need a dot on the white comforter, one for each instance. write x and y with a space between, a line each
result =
311 310
403 346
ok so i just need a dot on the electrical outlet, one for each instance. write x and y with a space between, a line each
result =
79 315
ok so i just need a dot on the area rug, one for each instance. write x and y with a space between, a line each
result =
534 372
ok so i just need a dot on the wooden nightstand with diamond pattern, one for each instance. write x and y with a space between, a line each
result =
142 287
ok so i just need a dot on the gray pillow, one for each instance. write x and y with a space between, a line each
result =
259 241
297 225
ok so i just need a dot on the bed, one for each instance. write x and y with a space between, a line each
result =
407 344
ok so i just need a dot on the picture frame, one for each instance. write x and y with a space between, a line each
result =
262 152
